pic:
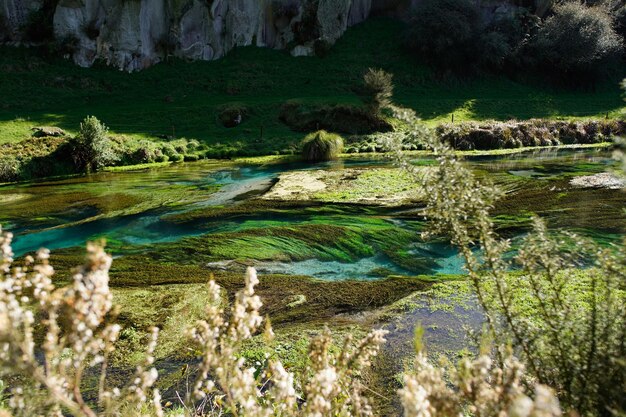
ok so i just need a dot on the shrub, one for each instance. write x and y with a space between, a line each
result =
478 387
617 9
504 42
232 115
177 157
321 146
339 118
285 8
168 150
39 26
513 134
9 169
452 35
568 326
321 48
144 155
445 33
579 42
193 145
307 29
377 90
92 148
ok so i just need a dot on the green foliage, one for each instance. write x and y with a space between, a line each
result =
9 169
232 115
377 90
618 12
321 146
39 25
92 149
346 119
307 29
568 329
500 135
445 33
578 42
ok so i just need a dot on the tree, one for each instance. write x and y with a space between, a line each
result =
92 149
377 90
579 42
445 33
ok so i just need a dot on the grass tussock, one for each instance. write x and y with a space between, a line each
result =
321 146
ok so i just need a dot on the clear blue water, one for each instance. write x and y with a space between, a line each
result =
179 188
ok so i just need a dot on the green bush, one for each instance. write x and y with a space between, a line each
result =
191 158
307 29
39 26
9 169
618 11
377 90
232 115
92 149
177 157
343 118
577 43
144 155
445 33
488 135
321 146
452 35
168 150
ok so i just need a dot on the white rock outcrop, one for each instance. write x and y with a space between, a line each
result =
134 34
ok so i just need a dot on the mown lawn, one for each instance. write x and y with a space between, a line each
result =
183 99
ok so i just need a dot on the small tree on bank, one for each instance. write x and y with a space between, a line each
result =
92 149
377 90
579 42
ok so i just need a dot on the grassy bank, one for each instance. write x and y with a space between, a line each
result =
181 99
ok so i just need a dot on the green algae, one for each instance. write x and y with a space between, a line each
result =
564 206
373 184
264 208
151 293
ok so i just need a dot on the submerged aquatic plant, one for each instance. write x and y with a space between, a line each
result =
79 336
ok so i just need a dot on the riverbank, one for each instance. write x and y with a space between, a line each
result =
51 156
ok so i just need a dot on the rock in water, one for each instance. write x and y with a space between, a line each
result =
602 180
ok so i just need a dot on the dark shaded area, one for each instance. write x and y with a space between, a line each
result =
338 118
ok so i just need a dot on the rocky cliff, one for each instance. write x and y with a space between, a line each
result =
134 34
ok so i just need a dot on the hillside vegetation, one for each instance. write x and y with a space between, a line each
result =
194 100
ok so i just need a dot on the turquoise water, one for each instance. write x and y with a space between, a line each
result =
128 209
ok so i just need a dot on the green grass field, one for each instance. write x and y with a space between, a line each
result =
183 98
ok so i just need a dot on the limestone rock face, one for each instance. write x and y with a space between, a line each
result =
14 14
134 34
